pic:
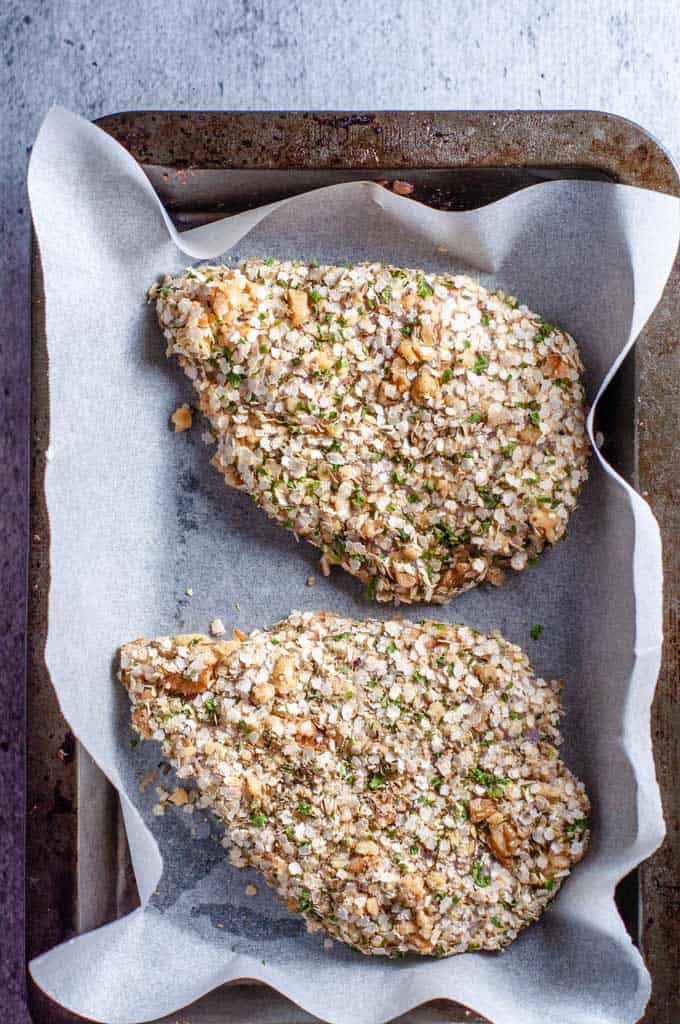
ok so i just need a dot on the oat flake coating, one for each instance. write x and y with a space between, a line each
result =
397 783
423 432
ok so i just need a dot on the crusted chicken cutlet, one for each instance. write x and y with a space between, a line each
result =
398 784
423 432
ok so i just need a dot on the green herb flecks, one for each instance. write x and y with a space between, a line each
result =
580 825
492 783
544 331
210 707
305 901
481 879
490 500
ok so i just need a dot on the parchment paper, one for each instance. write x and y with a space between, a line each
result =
138 517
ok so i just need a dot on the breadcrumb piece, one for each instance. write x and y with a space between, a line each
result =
251 890
311 581
217 627
182 418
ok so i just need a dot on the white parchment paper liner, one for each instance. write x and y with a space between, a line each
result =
137 516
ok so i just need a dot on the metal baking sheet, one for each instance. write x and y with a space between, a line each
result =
208 165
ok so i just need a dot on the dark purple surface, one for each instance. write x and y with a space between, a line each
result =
14 405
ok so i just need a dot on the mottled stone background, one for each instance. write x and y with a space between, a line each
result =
97 58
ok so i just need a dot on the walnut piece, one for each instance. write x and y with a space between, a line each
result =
503 841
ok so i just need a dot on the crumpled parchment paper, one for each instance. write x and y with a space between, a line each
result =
138 517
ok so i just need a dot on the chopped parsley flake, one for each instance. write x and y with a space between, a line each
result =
493 783
211 708
480 878
490 500
580 825
305 901
544 331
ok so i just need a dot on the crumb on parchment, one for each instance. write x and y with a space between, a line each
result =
182 418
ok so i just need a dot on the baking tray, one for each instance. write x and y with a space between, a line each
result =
209 164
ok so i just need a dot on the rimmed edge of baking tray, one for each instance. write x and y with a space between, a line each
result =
64 810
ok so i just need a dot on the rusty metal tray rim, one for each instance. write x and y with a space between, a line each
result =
40 547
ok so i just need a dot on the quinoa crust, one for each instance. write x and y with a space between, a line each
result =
423 432
396 783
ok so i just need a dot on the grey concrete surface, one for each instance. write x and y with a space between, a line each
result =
101 57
